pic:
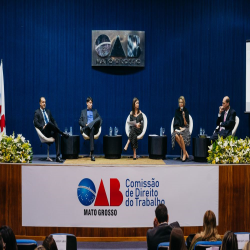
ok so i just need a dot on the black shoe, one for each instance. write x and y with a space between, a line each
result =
65 135
134 158
58 159
92 158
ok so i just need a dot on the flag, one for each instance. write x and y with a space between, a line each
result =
2 103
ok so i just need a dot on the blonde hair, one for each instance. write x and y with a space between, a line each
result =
183 99
209 227
41 247
247 246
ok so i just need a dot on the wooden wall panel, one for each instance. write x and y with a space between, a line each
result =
234 204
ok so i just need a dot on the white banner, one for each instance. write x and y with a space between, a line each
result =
78 196
2 103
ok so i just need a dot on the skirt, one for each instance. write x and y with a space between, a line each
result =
134 132
185 134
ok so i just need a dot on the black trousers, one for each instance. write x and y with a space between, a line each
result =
91 130
223 133
51 130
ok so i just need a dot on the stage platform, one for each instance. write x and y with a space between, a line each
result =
234 200
125 160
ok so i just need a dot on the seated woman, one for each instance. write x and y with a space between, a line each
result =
181 132
135 115
9 238
177 241
229 241
209 232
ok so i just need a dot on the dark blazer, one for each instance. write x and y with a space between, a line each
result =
84 118
160 234
229 123
178 118
39 120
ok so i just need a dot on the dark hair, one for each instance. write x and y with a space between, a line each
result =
41 98
49 243
133 105
89 99
177 241
9 238
228 100
1 242
161 213
229 241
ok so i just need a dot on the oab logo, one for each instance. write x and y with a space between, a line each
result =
87 194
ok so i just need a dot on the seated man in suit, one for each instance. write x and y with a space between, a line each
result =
90 122
161 231
44 121
225 121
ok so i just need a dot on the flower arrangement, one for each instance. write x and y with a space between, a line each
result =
229 150
16 150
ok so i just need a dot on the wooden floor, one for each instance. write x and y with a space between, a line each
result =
234 204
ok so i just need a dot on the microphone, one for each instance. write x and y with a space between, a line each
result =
182 111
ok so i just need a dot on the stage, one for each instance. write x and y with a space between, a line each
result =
233 212
125 160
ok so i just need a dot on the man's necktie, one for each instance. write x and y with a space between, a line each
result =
45 117
225 116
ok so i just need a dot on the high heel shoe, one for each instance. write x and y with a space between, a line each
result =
134 158
183 160
187 155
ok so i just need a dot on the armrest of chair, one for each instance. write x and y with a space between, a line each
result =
145 125
163 245
86 137
43 138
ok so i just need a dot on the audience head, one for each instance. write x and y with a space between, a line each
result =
49 243
161 213
177 241
229 241
2 244
89 102
42 102
247 246
135 105
181 101
209 226
9 238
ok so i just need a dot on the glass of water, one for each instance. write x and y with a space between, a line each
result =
163 131
116 131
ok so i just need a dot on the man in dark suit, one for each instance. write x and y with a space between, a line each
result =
225 121
90 122
161 231
44 121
